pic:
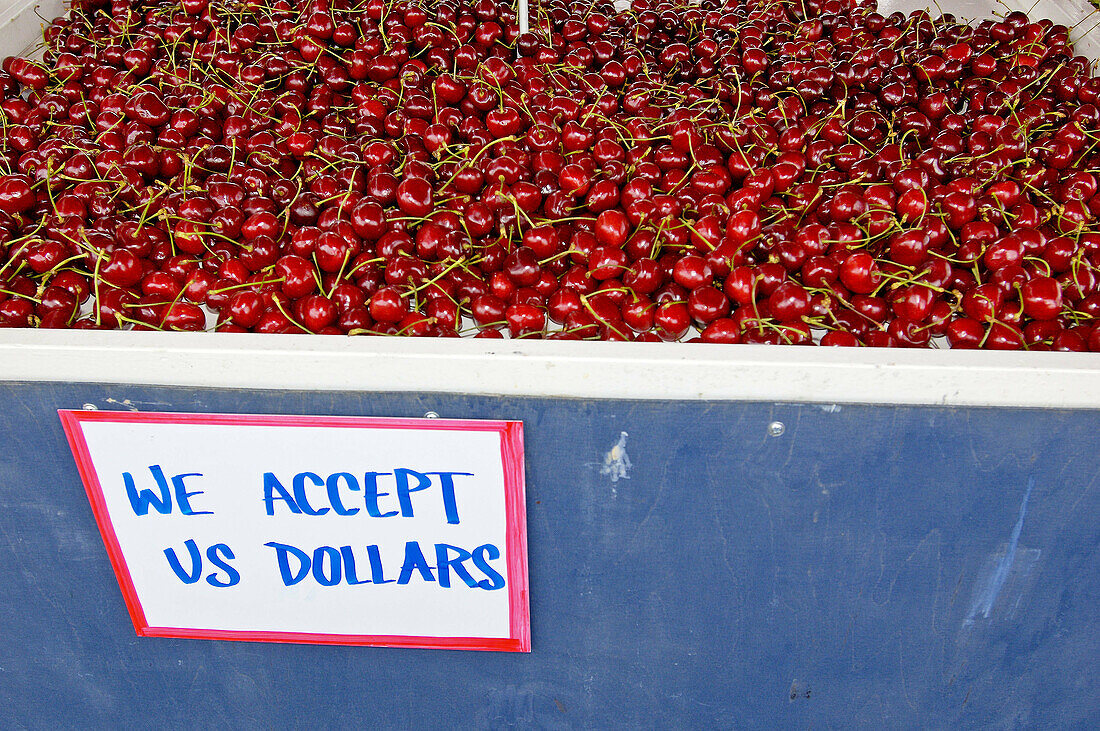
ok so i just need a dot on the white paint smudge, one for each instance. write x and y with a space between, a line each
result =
616 463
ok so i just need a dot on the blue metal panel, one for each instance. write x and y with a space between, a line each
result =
871 566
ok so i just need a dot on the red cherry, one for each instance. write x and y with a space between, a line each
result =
259 224
672 320
644 276
909 248
1041 298
1003 336
722 330
965 333
789 302
692 271
840 338
387 305
603 196
525 319
244 309
15 194
913 303
543 241
414 197
297 276
121 269
859 273
982 303
183 316
707 304
522 267
316 312
488 311
612 228
606 262
574 179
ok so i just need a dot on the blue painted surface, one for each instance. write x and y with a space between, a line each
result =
870 567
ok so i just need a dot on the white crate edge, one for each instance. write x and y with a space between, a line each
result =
557 368
562 369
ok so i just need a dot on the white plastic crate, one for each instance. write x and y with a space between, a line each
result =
558 368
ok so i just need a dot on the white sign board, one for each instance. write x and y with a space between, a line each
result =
343 530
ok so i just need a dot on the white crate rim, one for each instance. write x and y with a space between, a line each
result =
560 369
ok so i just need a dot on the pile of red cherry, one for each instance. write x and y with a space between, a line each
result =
759 171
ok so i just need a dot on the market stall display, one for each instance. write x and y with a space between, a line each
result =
717 535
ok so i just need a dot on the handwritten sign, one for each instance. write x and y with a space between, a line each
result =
340 530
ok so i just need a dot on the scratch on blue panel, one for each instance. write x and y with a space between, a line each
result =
986 599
